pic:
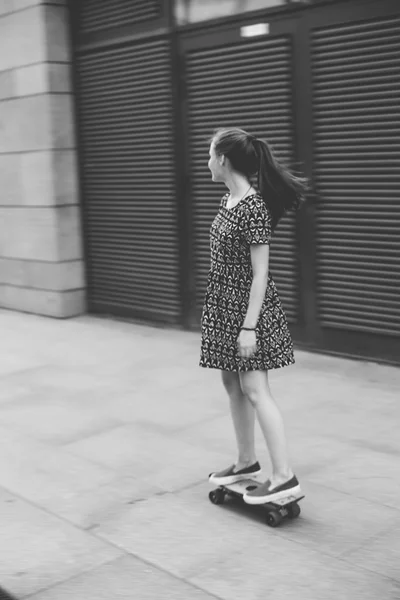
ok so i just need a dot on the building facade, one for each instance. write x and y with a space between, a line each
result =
106 202
41 252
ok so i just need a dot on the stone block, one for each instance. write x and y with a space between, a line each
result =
48 178
5 7
22 36
74 304
32 79
28 233
11 188
40 78
52 276
56 23
7 85
47 234
62 121
25 124
69 234
22 4
37 179
11 6
37 122
65 173
17 5
40 246
42 302
57 276
59 77
12 271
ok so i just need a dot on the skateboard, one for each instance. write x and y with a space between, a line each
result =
276 512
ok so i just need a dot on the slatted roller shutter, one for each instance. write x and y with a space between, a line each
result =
96 15
246 85
128 173
356 80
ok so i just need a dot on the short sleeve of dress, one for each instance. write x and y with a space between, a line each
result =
256 222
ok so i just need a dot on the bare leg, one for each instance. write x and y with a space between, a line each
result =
243 417
256 387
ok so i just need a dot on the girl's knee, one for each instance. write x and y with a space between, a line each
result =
255 387
253 395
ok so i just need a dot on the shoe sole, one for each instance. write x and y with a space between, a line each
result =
233 478
296 491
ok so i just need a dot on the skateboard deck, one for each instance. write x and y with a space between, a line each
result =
276 512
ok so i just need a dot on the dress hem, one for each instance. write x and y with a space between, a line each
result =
244 370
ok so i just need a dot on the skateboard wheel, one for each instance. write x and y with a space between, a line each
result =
293 511
216 496
273 519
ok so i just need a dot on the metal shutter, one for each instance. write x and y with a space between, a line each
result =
356 75
95 15
246 85
127 142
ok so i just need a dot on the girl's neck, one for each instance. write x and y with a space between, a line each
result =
237 186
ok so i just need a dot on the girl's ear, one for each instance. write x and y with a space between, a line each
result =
222 159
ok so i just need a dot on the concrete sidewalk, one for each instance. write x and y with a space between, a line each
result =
107 433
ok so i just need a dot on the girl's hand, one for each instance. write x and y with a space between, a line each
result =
247 343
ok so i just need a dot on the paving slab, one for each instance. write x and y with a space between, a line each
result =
38 550
279 571
380 554
87 508
182 533
42 474
126 578
143 452
334 522
364 474
44 417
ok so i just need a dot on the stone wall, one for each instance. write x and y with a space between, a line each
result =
41 257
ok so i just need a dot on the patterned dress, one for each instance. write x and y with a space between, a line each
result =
228 292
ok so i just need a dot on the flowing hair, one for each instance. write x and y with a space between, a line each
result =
253 157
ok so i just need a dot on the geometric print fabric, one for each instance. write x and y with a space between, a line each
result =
228 291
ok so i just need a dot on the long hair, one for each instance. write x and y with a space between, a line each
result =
253 157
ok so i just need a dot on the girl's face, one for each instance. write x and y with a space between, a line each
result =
216 165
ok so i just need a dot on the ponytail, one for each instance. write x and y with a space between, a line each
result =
279 188
250 156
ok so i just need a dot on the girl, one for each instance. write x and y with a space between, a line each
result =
244 327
